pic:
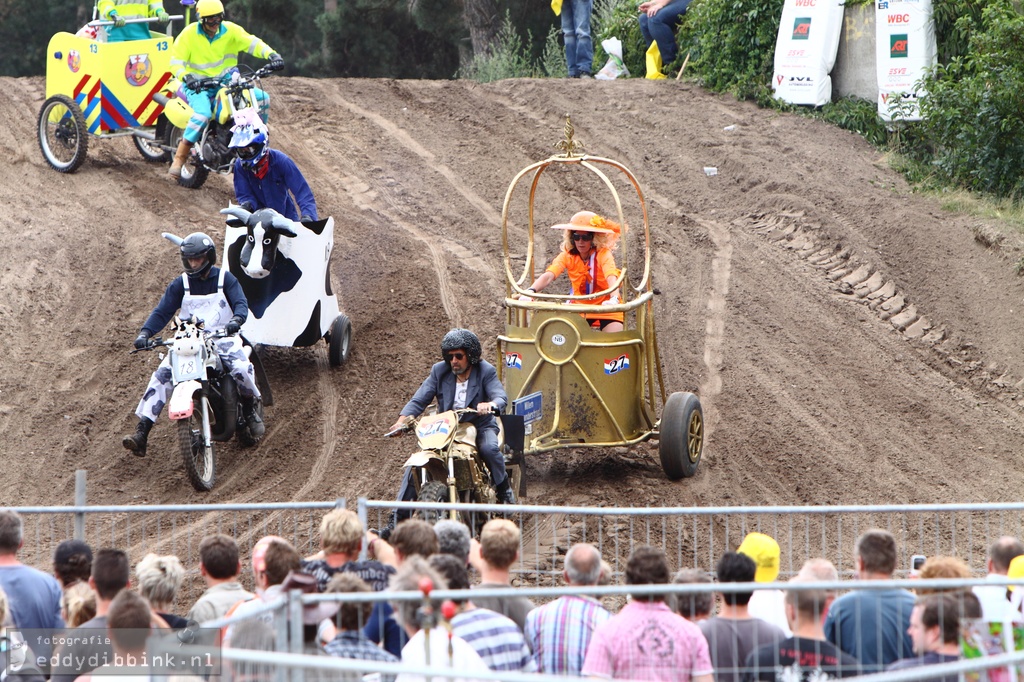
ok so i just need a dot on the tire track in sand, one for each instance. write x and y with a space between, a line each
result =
714 326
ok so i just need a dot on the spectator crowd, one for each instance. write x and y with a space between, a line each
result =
714 631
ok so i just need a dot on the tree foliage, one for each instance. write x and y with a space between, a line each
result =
973 125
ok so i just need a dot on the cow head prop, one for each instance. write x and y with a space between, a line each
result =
264 228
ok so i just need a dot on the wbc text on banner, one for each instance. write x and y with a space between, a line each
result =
904 51
805 50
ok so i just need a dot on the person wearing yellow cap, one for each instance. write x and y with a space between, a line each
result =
586 256
1016 592
768 605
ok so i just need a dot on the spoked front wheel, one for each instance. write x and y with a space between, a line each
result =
193 173
199 458
63 137
432 491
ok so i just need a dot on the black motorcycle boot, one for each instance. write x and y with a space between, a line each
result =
136 442
504 492
250 409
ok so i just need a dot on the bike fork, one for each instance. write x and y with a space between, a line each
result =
207 437
452 494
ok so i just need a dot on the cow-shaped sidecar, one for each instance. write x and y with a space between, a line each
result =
284 267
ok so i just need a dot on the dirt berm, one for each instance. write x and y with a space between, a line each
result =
852 342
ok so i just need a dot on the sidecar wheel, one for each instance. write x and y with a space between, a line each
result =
200 460
63 137
339 340
681 440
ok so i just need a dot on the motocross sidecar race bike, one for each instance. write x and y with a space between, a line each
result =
104 90
284 268
238 92
448 468
204 402
574 386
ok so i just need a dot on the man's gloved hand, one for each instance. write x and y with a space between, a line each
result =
248 206
118 20
191 82
276 61
142 340
612 300
233 326
163 16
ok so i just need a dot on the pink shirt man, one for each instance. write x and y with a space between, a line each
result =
646 641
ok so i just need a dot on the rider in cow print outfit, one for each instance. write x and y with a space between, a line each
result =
214 296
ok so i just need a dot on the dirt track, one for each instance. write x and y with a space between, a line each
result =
815 390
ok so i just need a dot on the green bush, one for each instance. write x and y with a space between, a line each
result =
509 58
732 44
973 124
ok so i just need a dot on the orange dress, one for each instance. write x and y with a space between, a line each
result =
588 276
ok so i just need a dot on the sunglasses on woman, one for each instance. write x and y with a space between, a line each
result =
583 236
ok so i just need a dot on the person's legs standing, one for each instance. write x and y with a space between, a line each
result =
569 34
581 11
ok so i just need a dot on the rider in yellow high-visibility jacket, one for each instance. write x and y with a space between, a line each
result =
120 10
209 48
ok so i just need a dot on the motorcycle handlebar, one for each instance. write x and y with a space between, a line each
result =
157 341
411 424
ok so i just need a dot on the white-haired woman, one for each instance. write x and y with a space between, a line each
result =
159 578
586 256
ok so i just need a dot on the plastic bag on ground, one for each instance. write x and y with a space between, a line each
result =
613 68
654 63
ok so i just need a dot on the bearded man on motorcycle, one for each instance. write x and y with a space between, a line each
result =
209 48
268 178
213 295
461 379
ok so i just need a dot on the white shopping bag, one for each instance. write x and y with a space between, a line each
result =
614 67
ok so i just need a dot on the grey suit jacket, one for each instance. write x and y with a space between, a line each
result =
440 385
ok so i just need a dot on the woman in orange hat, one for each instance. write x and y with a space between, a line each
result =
587 257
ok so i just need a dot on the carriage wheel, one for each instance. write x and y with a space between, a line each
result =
63 137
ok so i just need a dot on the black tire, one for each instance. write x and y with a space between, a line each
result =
63 136
339 340
681 440
200 461
244 434
193 174
433 491
151 150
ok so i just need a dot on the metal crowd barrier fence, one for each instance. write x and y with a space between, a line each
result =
288 626
696 537
692 537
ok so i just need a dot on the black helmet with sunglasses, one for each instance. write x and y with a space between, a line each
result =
461 339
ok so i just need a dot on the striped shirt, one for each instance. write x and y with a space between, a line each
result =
559 633
496 638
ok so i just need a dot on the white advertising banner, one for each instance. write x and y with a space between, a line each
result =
904 50
805 50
